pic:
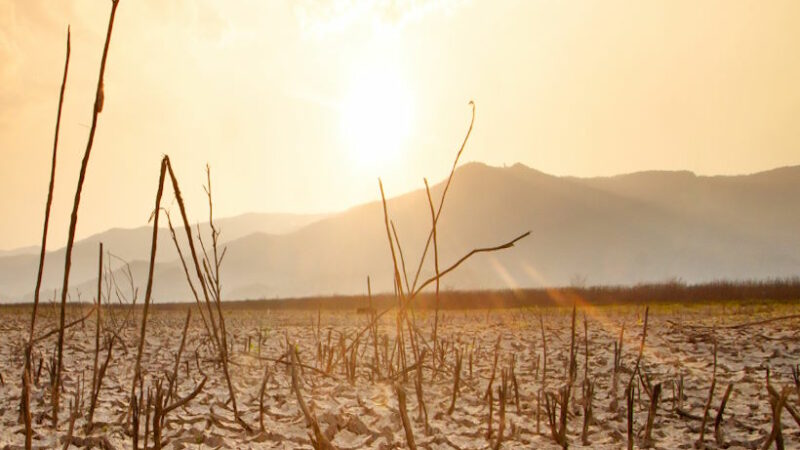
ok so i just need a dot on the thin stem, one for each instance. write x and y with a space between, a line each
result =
26 413
435 264
397 281
444 193
149 289
49 192
402 259
98 107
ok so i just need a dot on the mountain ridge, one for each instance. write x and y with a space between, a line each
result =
630 228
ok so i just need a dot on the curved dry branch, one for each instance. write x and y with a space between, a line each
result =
186 272
444 194
508 244
432 279
67 326
192 251
186 399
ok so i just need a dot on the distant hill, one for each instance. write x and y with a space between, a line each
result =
18 267
627 229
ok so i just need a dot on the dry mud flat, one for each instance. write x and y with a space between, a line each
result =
362 411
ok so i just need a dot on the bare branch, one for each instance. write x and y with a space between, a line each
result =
508 244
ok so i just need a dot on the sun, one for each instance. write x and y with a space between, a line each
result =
376 117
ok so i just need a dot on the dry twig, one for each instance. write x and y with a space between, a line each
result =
98 107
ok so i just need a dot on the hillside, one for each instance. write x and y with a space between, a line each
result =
627 229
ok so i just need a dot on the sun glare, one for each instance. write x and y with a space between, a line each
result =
376 117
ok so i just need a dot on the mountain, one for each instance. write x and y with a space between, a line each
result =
18 267
20 251
641 227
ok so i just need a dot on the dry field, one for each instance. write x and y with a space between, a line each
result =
351 384
717 376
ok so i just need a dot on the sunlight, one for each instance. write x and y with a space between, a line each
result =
376 117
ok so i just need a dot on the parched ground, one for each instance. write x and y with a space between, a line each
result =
363 412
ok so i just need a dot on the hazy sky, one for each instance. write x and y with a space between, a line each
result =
300 106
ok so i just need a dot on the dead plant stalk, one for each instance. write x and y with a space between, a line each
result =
98 107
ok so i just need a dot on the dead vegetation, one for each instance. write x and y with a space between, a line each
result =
346 386
367 411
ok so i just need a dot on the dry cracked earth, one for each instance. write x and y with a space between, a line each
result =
362 411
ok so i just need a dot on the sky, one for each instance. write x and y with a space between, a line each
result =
299 106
